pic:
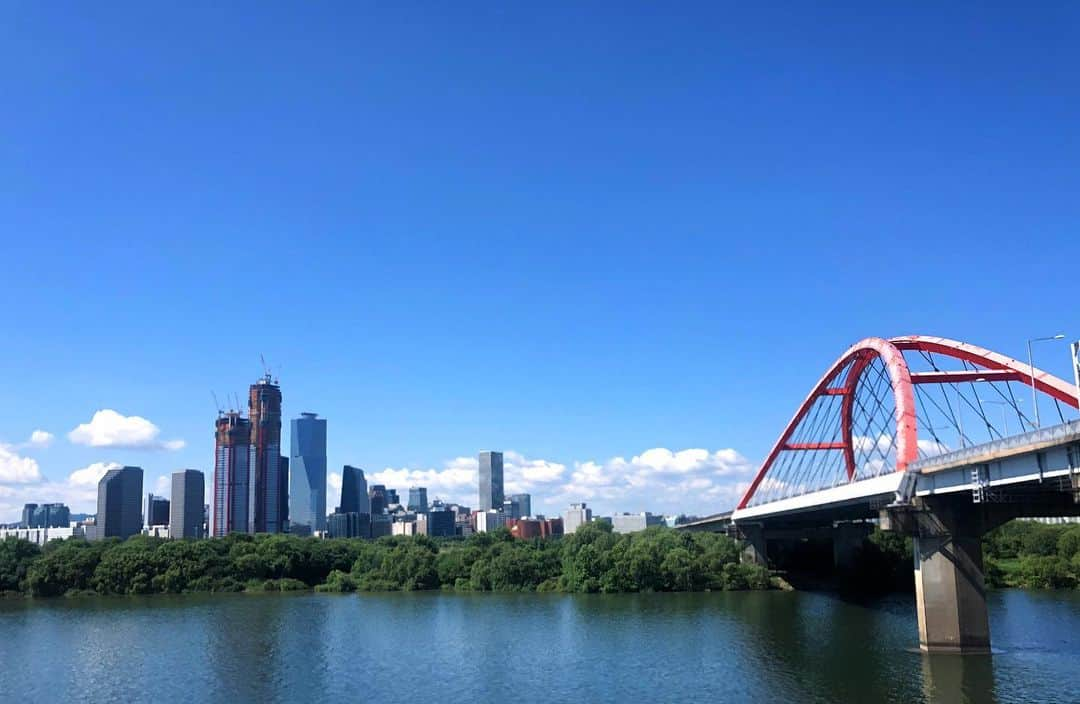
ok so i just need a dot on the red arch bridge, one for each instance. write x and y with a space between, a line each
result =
939 439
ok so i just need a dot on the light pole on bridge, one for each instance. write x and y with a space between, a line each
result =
1004 412
1031 363
1075 349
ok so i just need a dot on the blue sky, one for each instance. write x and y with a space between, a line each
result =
576 232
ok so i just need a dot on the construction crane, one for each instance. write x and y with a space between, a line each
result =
217 404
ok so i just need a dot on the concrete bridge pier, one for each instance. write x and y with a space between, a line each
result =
847 540
950 594
755 549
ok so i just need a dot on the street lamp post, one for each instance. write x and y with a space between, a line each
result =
1075 349
1031 364
1004 411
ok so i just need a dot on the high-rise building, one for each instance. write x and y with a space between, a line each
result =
157 510
522 505
577 515
392 498
354 491
186 508
232 474
46 516
264 414
418 499
377 497
119 506
283 491
491 481
307 470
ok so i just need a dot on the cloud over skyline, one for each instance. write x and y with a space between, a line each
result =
657 479
16 469
109 428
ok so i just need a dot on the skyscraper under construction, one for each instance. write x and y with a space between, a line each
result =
268 497
232 474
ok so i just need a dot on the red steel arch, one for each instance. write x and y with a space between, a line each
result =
858 356
993 367
1014 370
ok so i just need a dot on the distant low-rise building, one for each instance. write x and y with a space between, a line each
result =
633 522
440 522
551 527
575 517
488 521
381 524
40 536
349 524
404 528
524 528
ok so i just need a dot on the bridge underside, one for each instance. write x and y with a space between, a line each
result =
946 504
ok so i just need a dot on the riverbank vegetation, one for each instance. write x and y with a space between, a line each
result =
1033 555
591 560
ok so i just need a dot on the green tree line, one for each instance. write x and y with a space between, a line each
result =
1033 555
591 560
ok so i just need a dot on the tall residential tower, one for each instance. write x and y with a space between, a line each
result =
267 505
232 474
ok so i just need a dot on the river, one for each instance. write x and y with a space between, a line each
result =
428 647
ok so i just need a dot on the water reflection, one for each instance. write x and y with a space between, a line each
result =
961 679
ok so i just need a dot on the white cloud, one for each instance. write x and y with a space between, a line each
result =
163 486
39 438
15 469
333 484
111 429
91 474
658 479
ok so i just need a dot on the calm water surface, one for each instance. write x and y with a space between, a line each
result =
737 647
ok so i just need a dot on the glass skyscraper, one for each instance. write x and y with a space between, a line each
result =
157 511
354 491
119 507
186 508
491 481
307 475
418 499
